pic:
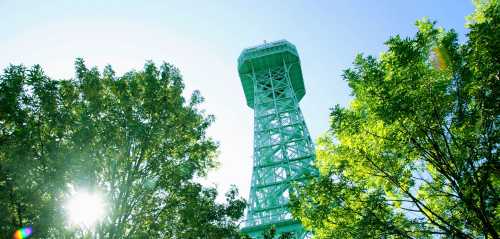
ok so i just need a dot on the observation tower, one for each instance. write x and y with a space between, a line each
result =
283 151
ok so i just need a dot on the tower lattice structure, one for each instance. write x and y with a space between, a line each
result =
272 81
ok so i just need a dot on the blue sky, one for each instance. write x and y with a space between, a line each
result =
204 39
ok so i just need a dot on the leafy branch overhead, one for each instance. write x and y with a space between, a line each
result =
415 155
134 138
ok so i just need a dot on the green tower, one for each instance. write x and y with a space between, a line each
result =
283 151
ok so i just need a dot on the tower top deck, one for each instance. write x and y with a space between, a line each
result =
268 56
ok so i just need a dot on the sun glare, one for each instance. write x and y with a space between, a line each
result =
85 209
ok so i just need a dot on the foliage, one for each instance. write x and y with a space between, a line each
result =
271 234
416 153
134 138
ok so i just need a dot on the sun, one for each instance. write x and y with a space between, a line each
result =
85 209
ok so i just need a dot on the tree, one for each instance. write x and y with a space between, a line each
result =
271 233
415 155
134 138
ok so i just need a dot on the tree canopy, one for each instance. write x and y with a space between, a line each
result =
134 138
415 155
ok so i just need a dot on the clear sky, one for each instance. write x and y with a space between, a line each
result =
204 39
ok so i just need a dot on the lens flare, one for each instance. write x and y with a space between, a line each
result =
439 58
22 233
